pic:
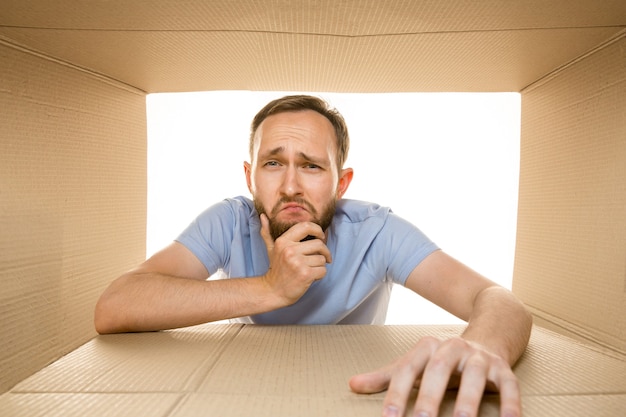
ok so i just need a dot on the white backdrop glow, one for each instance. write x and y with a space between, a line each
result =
448 162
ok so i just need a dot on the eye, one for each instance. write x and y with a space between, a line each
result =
312 166
271 164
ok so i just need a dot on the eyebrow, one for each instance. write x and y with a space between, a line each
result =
275 151
280 149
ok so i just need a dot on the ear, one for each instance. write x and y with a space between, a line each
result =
345 179
248 171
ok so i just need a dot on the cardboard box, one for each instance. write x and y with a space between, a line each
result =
73 79
243 370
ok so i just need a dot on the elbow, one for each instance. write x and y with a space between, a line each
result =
528 316
108 313
103 320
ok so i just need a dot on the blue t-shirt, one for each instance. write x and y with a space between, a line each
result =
371 249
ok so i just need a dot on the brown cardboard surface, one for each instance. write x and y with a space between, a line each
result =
349 405
368 46
239 370
579 405
570 265
72 176
149 362
80 405
72 204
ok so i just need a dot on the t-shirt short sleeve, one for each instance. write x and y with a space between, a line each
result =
375 242
209 237
408 246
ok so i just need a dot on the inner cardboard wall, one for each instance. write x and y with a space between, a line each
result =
570 265
72 203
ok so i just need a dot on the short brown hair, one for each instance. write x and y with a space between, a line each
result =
297 103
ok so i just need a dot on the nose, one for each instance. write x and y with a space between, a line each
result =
291 182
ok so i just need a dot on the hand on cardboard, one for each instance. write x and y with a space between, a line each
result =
434 366
294 264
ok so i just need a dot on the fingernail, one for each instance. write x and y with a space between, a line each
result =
422 414
391 411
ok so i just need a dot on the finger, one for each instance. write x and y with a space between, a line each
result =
317 266
510 395
316 260
305 231
472 387
265 232
407 372
371 382
317 247
437 373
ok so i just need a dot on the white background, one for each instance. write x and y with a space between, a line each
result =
448 162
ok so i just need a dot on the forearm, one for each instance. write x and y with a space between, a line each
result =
500 322
151 301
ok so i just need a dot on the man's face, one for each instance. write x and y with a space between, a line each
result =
293 176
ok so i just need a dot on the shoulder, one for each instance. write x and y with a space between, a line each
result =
225 215
239 203
236 206
356 211
374 219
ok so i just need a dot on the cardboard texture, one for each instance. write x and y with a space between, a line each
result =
73 79
326 45
242 370
72 204
570 265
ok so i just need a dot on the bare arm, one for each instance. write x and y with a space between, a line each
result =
170 289
497 334
496 318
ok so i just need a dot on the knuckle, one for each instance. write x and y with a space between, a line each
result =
499 364
430 342
302 270
404 362
457 343
439 362
288 251
405 367
476 361
502 364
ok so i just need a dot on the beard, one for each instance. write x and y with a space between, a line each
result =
277 227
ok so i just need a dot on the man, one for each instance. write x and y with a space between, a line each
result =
299 253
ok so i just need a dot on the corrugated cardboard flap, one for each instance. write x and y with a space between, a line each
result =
289 370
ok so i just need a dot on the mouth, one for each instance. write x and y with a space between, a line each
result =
293 207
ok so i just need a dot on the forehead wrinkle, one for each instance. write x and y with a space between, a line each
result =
281 149
275 151
286 131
